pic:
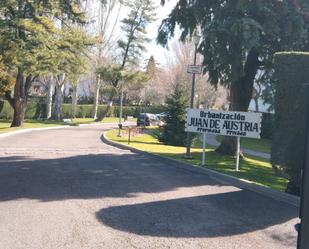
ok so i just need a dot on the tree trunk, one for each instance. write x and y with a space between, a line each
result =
58 102
19 102
74 100
102 115
105 112
256 101
1 104
19 113
240 97
49 100
96 98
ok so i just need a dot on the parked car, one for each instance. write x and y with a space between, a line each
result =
162 115
161 119
146 119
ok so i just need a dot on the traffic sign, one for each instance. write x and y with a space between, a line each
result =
238 124
194 69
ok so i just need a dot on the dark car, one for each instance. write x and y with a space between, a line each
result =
143 120
146 119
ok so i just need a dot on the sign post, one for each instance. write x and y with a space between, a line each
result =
303 239
204 150
192 69
236 124
237 153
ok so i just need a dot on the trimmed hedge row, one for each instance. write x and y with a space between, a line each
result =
31 113
288 148
37 110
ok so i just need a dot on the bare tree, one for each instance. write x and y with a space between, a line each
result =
107 19
175 72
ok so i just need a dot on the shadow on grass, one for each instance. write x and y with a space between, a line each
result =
47 122
2 128
253 170
134 142
5 121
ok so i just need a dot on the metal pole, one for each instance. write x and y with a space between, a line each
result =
204 150
188 152
145 106
120 114
237 153
303 238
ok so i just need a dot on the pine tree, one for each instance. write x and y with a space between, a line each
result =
27 43
152 67
141 14
174 130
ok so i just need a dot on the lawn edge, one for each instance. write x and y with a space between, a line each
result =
10 133
25 130
220 177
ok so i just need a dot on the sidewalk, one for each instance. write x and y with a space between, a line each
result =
211 140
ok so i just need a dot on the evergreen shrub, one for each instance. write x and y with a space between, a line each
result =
288 148
174 130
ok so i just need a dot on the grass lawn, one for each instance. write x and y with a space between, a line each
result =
5 124
261 145
105 120
252 168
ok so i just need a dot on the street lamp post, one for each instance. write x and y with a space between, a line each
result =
196 40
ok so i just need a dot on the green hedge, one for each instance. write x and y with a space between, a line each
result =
291 71
36 110
31 113
85 111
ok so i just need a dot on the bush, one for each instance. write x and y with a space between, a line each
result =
288 148
7 111
37 109
174 130
134 111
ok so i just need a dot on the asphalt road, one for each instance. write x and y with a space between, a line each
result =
65 189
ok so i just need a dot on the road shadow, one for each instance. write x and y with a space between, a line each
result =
216 215
128 174
91 176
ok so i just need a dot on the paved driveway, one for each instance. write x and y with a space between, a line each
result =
65 189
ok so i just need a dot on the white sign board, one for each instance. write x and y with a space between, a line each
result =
192 69
238 124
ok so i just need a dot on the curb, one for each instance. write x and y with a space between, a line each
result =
220 177
11 133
